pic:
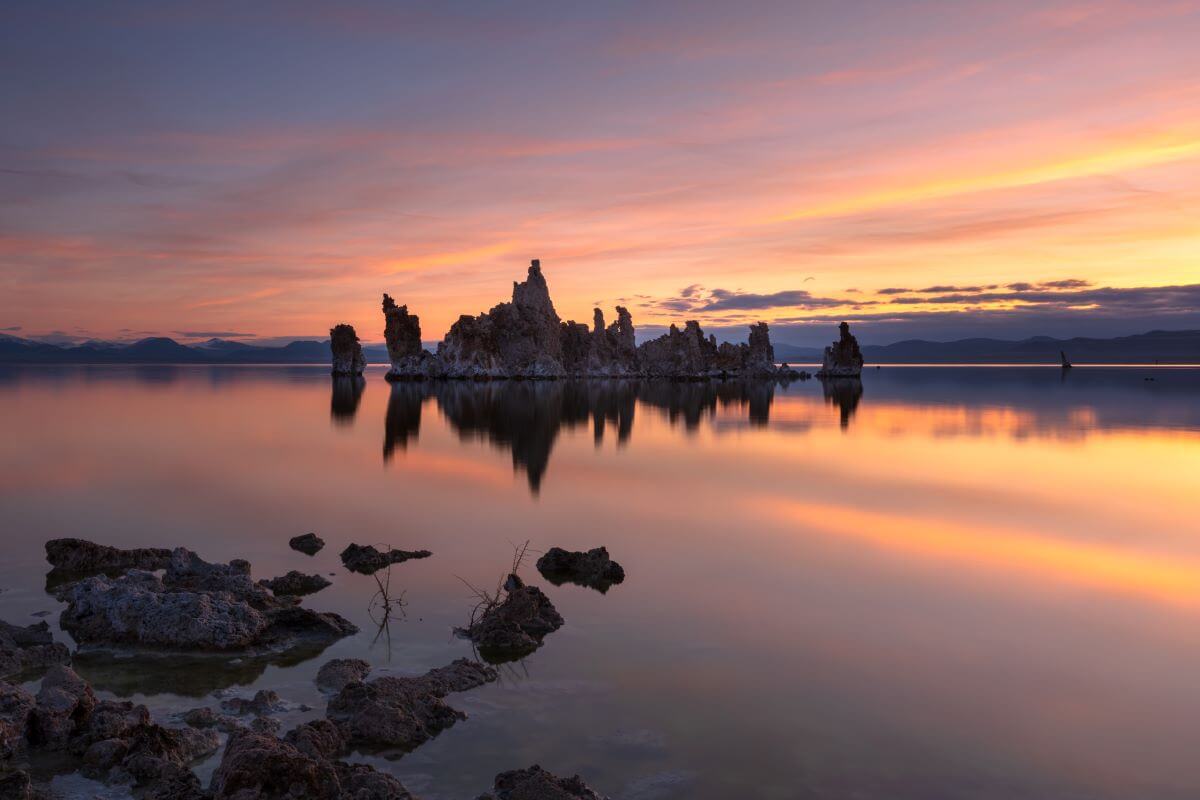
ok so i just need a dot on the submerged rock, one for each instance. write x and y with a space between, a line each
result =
367 560
536 783
295 584
78 558
403 712
264 702
842 359
516 626
338 673
592 568
348 356
309 544
29 648
207 718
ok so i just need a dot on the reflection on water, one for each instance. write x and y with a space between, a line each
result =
403 420
346 394
843 394
126 674
940 582
525 417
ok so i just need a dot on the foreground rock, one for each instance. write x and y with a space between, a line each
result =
16 709
194 606
403 712
340 672
295 584
842 359
525 338
367 560
257 766
29 648
78 558
592 568
113 741
515 627
348 356
536 783
309 544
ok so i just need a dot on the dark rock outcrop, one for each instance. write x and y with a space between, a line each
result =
514 627
257 766
340 672
367 560
525 338
842 359
403 712
17 785
63 700
295 584
319 738
194 606
536 783
310 544
16 709
29 648
348 358
592 568
260 767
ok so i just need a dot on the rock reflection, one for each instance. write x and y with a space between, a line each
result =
403 420
843 394
344 400
525 417
188 675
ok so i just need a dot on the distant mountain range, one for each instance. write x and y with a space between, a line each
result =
162 350
1167 347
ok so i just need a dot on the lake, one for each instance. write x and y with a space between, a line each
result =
943 582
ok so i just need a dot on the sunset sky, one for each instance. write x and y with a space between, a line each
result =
921 169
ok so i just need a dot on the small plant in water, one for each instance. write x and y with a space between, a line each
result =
385 606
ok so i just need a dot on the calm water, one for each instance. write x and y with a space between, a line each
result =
945 583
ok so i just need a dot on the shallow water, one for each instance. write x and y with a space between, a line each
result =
941 583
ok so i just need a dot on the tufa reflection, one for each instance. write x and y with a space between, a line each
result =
344 400
525 417
843 394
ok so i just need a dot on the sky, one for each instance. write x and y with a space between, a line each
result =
928 170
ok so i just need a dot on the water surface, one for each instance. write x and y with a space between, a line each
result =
938 583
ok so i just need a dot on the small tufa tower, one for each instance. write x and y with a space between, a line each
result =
842 359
